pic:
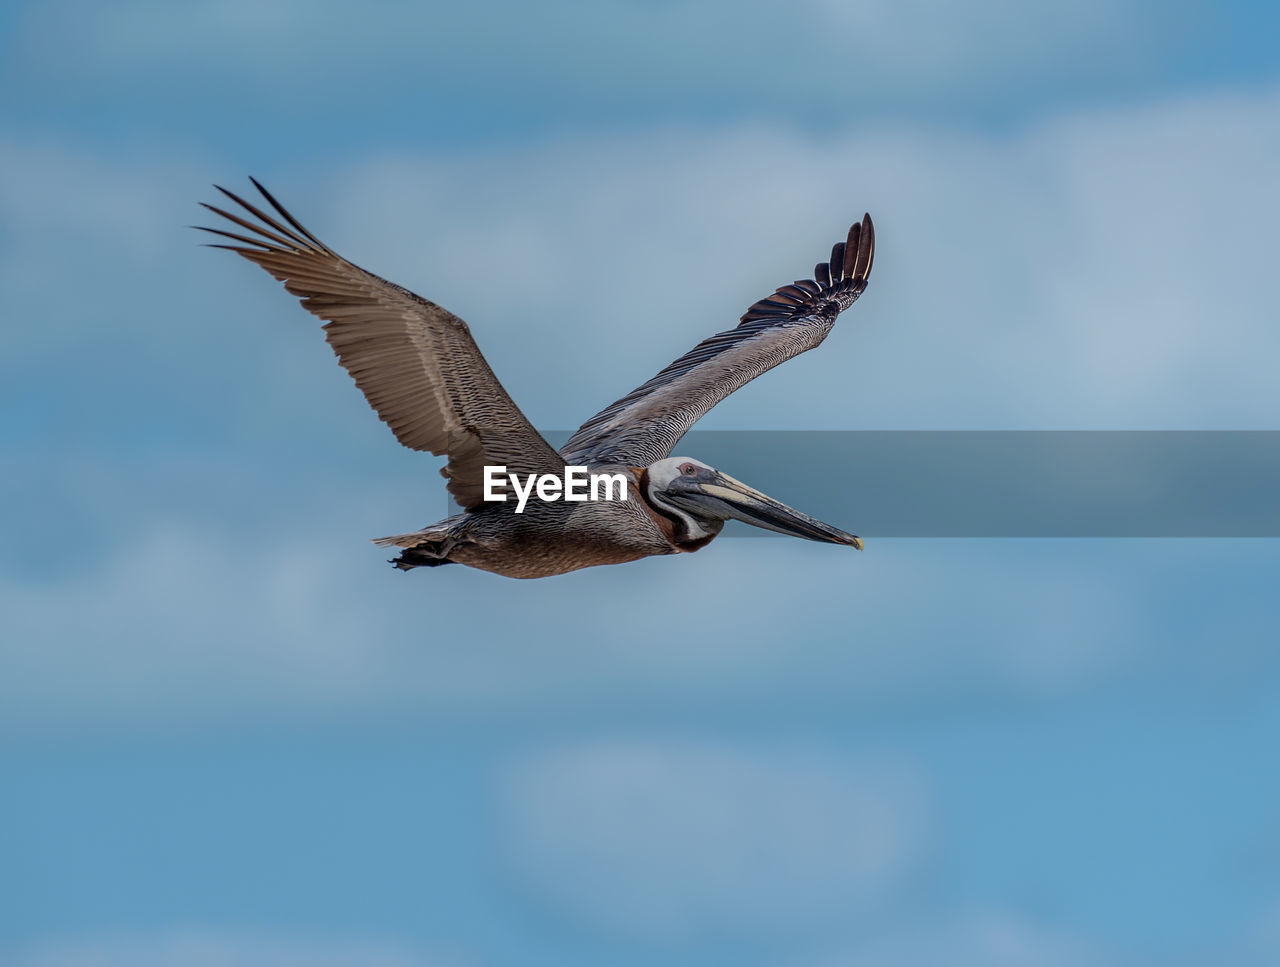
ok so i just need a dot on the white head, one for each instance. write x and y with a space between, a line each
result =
699 499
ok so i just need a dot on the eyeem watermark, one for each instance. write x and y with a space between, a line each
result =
1001 483
577 484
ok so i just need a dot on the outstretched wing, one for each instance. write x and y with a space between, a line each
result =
645 425
415 362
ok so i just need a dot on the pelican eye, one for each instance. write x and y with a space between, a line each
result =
688 469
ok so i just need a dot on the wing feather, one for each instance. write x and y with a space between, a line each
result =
645 425
416 363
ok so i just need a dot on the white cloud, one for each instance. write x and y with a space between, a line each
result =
1001 938
1099 270
1052 277
216 947
1102 269
187 622
818 60
1262 943
678 840
980 939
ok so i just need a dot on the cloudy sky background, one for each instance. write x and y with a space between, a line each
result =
230 734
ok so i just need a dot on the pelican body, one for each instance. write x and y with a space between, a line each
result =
421 371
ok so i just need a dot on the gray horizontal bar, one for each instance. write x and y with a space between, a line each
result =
1008 483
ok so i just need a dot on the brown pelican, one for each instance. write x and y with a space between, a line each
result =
423 374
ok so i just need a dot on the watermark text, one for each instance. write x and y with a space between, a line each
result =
577 484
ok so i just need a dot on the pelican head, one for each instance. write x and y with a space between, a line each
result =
702 499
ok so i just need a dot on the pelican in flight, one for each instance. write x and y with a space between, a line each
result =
424 375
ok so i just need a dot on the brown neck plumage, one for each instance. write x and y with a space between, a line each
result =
672 527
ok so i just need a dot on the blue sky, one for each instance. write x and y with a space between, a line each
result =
230 734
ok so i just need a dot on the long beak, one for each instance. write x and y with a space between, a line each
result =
725 497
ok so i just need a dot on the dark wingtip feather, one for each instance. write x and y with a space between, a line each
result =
866 250
851 250
259 243
229 248
836 285
837 262
230 194
284 213
304 240
258 229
